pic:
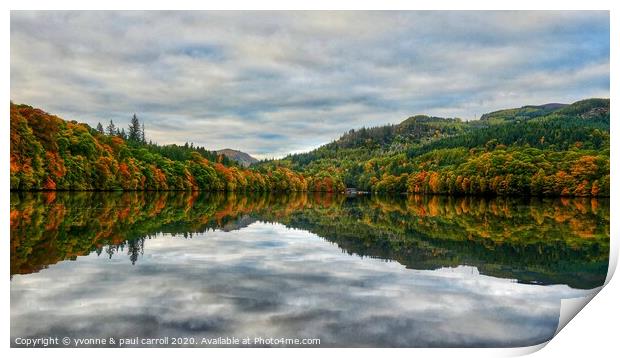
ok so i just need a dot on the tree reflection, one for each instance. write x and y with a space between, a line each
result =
545 241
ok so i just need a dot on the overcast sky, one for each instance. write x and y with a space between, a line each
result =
271 83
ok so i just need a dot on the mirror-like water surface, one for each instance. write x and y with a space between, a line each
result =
352 271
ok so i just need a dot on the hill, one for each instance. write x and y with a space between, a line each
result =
546 150
523 113
549 150
49 153
240 157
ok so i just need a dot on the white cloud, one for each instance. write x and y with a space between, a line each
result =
219 79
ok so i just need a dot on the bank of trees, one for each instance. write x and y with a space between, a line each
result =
551 150
511 171
48 153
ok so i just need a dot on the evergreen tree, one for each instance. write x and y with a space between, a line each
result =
111 128
143 135
100 128
134 130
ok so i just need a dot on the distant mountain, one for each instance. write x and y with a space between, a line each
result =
242 158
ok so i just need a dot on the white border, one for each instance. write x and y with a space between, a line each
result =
594 330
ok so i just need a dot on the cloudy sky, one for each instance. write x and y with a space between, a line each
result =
271 83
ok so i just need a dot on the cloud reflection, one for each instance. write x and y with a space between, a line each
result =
270 281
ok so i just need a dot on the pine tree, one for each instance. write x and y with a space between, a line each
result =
143 135
111 128
100 128
134 130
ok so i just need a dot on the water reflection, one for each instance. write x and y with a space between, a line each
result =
560 241
365 271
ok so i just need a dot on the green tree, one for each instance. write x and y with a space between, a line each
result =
111 129
134 134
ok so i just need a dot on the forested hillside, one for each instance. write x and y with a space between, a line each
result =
49 153
525 112
548 150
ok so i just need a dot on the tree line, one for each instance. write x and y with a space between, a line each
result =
555 150
49 153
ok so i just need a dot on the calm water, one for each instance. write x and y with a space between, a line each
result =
352 271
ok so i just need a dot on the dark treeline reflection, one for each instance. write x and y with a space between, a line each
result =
550 241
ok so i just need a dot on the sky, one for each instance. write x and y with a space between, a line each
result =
273 83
